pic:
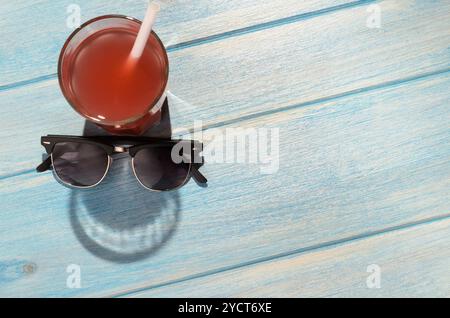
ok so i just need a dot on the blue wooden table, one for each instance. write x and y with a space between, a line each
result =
360 205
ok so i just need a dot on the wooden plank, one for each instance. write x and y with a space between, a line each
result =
349 166
226 80
32 48
413 263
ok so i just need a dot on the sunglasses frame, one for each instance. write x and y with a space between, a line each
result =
110 144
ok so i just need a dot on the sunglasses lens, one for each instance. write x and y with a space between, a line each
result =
156 170
79 164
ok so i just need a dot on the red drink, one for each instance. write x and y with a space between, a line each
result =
104 85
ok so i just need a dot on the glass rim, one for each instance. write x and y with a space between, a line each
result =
72 104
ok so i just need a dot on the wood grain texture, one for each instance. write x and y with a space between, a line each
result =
364 149
32 48
242 76
348 167
414 262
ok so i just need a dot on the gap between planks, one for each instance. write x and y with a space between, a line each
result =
388 84
296 252
218 37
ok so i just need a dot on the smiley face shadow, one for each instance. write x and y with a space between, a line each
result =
119 220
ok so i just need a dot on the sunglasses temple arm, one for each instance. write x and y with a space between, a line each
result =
45 165
198 176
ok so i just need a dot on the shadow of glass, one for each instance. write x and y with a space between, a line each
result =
119 220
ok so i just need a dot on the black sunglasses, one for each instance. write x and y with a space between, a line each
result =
158 164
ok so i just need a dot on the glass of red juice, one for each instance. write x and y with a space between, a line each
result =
104 85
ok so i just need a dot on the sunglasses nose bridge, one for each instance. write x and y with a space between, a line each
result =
118 149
